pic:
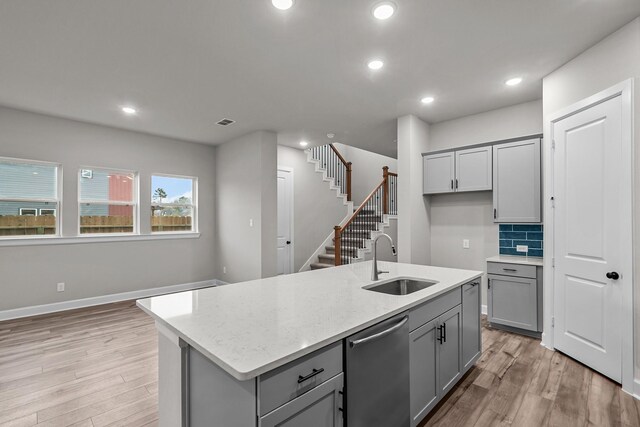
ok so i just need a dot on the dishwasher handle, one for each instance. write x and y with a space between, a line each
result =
381 334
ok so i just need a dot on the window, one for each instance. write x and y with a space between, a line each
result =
27 188
107 201
173 203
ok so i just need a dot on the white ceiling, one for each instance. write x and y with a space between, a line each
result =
187 64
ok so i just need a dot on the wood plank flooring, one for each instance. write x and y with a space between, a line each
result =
98 367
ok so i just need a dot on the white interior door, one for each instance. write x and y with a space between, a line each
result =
589 184
285 221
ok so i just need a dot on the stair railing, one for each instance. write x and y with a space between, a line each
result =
336 166
381 201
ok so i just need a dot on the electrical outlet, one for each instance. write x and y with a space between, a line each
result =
522 248
61 287
224 269
465 243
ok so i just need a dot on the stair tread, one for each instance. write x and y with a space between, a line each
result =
317 265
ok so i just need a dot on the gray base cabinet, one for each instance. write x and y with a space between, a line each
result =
320 407
471 334
443 348
514 296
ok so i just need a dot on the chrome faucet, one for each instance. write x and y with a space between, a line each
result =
375 271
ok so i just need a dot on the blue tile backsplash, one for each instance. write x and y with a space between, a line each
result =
512 235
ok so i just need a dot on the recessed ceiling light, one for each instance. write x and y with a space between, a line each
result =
376 64
304 143
129 110
331 135
384 10
514 81
427 100
282 4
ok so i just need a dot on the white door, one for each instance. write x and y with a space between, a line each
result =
589 187
285 218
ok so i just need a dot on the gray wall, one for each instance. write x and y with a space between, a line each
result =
611 61
413 208
459 216
316 207
246 191
366 170
29 273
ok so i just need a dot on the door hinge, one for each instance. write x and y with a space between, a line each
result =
553 262
553 322
553 201
553 144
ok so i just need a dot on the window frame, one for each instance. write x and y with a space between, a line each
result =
135 201
57 200
194 203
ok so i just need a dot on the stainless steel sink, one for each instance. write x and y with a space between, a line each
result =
400 286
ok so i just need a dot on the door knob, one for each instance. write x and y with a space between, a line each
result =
288 242
613 275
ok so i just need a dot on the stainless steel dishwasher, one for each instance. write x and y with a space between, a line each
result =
377 375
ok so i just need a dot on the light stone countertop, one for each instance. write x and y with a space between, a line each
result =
513 259
250 328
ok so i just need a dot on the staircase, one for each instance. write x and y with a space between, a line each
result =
368 226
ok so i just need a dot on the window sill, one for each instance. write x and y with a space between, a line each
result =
56 240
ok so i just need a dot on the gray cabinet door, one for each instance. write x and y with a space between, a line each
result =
320 407
473 169
438 173
516 181
423 367
471 338
449 350
513 301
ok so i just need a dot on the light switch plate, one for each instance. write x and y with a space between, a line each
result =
522 248
465 243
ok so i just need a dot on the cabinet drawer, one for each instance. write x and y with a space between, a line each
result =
431 309
283 384
508 269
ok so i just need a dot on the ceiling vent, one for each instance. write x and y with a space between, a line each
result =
225 122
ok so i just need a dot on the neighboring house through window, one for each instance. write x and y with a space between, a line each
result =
108 201
29 198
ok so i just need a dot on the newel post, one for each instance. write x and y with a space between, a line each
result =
385 199
336 243
349 181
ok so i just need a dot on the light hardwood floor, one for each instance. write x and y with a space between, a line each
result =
97 367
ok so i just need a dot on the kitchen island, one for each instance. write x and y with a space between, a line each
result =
223 351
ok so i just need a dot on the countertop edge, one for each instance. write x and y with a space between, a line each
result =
254 373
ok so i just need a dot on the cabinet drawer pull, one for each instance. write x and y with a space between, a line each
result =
510 269
313 373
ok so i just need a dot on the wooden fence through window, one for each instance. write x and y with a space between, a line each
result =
24 225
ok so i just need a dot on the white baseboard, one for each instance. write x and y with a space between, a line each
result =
105 299
483 309
636 388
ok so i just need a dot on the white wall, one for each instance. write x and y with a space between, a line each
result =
317 209
613 60
413 208
459 216
28 274
366 170
246 192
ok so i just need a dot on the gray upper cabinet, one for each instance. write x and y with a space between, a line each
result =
438 173
320 407
458 171
516 182
471 339
473 169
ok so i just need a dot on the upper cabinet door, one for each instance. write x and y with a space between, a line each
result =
473 169
438 173
516 182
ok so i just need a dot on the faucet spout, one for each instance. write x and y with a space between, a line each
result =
375 272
